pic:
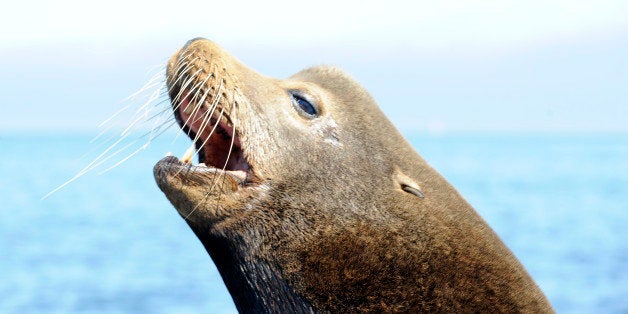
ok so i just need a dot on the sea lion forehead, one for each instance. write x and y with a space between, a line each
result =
331 78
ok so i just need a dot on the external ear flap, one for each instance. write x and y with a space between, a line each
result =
407 184
413 190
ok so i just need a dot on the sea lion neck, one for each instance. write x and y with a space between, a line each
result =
255 282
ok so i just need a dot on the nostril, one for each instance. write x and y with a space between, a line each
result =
192 40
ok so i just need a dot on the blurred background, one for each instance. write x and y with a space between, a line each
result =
521 105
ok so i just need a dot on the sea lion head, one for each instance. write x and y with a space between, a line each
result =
307 198
312 133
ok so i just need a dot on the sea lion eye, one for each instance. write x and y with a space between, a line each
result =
305 107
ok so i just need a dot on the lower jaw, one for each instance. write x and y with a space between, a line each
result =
174 174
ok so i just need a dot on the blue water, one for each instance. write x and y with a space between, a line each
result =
113 244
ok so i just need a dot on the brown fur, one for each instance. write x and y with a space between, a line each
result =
328 226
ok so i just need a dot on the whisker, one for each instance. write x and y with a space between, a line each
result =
145 110
185 85
152 82
161 113
207 120
221 175
143 147
179 78
209 113
152 134
149 113
124 108
87 168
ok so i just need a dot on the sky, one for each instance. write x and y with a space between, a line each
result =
433 66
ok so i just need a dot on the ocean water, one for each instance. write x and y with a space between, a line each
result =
112 243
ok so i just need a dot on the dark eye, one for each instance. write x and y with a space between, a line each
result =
304 106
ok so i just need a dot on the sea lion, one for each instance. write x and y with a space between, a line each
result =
308 199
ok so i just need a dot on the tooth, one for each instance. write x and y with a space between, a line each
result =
202 165
187 156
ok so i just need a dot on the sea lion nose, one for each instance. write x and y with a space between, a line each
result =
191 41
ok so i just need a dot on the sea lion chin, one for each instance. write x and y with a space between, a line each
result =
309 200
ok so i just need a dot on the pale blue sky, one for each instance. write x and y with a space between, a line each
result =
432 65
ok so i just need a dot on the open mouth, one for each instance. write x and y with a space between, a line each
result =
215 138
